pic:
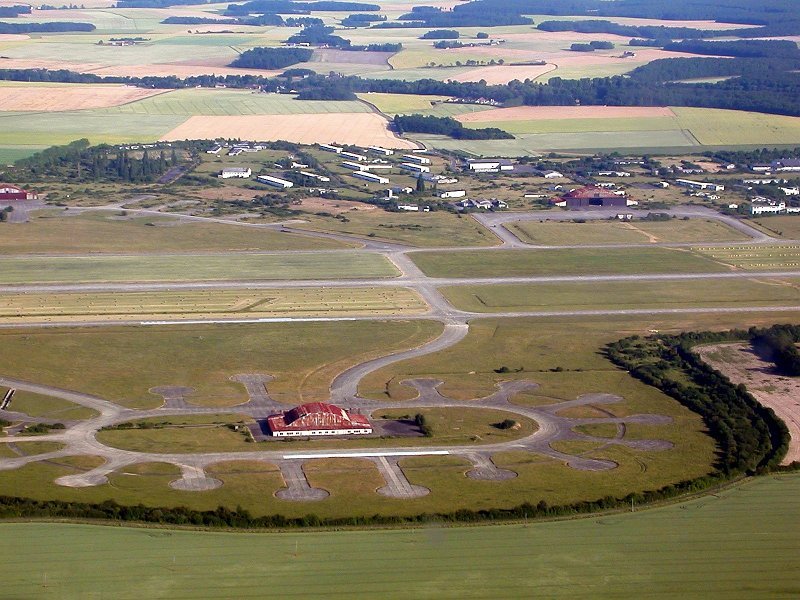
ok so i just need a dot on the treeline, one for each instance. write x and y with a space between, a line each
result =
674 69
265 19
14 11
361 20
429 16
54 27
446 126
750 436
79 161
285 7
739 48
319 35
769 91
779 345
659 32
271 58
440 34
760 156
591 46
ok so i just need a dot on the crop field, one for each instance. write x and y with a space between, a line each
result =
756 257
499 75
544 128
68 97
203 357
638 232
51 306
361 129
191 102
745 532
392 104
511 263
625 294
782 226
417 229
194 267
107 232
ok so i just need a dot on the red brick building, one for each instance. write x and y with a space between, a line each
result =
592 196
13 192
317 418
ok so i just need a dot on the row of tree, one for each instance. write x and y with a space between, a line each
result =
446 126
779 346
52 27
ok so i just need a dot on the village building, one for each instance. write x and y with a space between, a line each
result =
317 418
274 181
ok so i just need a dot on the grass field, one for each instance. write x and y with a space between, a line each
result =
688 127
194 267
625 294
756 257
190 102
303 357
740 543
27 308
48 407
52 232
209 433
783 226
510 263
638 232
416 229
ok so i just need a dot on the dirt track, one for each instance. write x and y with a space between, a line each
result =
782 394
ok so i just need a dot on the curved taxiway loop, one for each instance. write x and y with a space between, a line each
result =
80 437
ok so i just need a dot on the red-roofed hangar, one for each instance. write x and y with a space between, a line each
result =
317 418
12 192
592 196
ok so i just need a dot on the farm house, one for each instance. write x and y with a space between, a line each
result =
317 418
12 192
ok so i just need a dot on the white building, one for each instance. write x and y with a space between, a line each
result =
699 185
371 177
453 194
420 160
380 150
614 173
760 206
354 166
415 168
235 172
331 148
274 181
408 207
490 165
552 174
791 191
315 176
354 156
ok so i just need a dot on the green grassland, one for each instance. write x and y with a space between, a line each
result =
637 232
204 357
625 294
510 263
48 407
28 448
194 267
54 232
416 229
755 257
210 433
394 104
787 226
738 543
689 127
43 307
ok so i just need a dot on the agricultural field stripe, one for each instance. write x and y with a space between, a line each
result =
367 454
258 320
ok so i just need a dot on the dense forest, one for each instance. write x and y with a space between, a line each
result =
271 58
54 27
591 46
772 49
446 126
288 7
319 35
361 20
779 346
440 34
14 11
